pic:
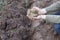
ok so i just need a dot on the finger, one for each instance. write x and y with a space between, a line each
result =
35 18
37 8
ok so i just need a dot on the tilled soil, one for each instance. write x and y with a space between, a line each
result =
15 25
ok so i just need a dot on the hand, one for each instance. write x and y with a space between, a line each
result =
40 11
32 14
39 17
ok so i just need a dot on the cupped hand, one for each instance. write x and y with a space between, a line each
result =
39 10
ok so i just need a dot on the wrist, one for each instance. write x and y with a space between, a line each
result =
44 11
43 16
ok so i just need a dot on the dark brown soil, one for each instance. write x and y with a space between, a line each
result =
15 25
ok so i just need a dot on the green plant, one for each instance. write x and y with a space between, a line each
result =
2 3
27 3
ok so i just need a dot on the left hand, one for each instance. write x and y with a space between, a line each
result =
40 17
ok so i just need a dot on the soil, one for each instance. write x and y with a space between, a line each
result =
15 25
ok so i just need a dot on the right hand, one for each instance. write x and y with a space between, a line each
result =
40 11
